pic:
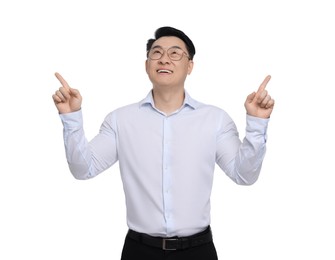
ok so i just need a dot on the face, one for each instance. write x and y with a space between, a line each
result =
164 72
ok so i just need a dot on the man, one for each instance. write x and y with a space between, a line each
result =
167 146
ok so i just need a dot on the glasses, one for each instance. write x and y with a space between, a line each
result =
174 53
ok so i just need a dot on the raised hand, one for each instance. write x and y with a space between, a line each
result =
260 103
66 99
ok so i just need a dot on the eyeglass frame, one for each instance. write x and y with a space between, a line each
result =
167 51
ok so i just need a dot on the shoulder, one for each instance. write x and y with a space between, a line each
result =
126 110
213 115
209 109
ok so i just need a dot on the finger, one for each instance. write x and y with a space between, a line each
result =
270 104
62 81
251 97
56 99
65 92
261 96
263 85
265 101
60 96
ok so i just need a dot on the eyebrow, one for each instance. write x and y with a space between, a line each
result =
158 46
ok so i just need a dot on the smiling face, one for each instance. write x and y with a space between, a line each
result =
165 72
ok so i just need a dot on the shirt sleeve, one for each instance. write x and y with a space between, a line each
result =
242 161
87 159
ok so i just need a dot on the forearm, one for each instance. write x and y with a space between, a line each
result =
77 149
88 159
251 153
246 161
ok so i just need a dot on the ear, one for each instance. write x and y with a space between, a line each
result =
146 65
190 67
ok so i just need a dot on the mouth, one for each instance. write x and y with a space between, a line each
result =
164 71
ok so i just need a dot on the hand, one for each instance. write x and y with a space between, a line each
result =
66 99
260 104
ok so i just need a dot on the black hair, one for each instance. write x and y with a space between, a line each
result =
170 31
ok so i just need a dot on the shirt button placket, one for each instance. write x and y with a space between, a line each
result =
166 173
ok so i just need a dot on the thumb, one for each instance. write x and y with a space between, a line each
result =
75 93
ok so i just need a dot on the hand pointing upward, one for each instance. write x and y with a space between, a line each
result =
66 99
260 103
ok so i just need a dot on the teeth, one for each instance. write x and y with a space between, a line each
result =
164 71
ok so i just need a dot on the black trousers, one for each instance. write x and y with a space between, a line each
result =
134 250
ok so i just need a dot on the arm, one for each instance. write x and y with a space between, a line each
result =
242 161
85 159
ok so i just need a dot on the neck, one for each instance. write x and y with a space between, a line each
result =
168 100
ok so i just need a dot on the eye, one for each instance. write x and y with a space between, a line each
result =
175 53
156 51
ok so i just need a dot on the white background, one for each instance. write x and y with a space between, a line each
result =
99 48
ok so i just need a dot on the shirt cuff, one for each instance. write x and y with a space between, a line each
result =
257 124
72 120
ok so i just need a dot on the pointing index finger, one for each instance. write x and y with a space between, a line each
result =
264 83
62 81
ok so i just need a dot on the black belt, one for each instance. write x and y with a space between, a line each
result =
173 243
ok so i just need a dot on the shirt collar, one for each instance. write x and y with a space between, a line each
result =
188 101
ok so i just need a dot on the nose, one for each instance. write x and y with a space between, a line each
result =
165 58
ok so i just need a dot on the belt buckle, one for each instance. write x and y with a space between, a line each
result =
168 239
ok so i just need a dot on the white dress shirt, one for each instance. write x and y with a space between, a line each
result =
167 162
